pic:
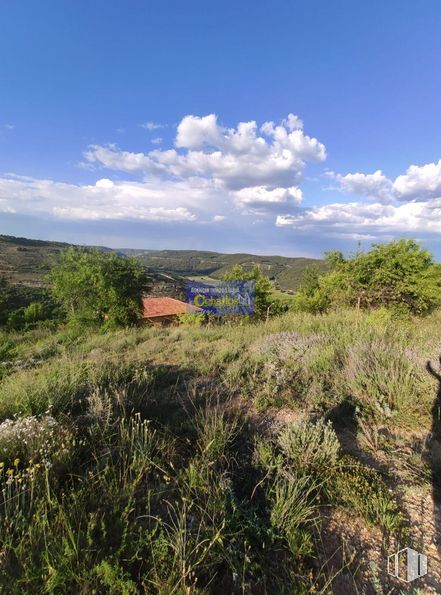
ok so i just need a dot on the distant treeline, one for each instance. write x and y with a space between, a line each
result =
284 271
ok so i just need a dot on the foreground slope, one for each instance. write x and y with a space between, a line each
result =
257 458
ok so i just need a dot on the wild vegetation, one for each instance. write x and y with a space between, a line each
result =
275 455
95 287
400 275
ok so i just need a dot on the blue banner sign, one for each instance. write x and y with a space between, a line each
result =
221 297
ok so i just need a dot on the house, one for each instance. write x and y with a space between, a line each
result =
164 311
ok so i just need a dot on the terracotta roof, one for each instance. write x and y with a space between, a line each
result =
165 306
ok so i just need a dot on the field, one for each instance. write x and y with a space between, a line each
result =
283 297
286 456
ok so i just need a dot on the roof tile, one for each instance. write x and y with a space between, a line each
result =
165 306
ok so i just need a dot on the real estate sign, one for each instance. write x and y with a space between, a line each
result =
221 297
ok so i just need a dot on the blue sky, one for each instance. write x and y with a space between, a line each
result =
268 127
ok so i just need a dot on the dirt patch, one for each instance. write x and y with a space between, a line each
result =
354 560
425 518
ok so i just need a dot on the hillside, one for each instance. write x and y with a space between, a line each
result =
28 261
285 271
289 456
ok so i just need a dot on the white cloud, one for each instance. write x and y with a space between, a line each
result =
258 197
104 183
272 158
409 204
113 158
248 174
147 201
196 133
157 140
371 220
374 185
212 172
418 183
152 126
293 122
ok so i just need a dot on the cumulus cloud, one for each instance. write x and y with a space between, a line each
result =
260 198
232 177
293 122
374 185
418 183
210 172
196 133
366 220
411 203
106 199
271 157
104 183
113 158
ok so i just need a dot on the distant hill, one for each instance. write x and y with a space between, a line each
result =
28 261
285 271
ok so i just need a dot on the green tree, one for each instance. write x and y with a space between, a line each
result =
334 258
264 303
400 274
310 296
96 287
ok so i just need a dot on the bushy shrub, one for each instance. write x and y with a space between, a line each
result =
292 369
382 377
311 448
400 275
189 319
34 312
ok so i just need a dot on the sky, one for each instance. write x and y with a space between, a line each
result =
283 127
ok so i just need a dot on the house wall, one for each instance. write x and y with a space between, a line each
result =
162 321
